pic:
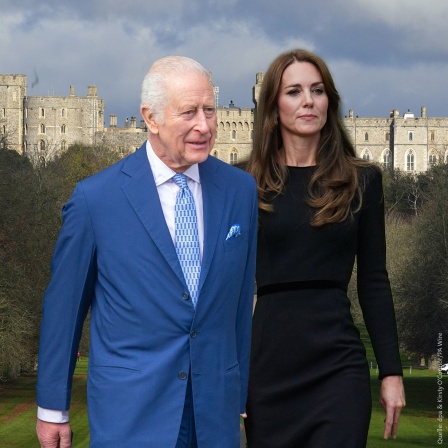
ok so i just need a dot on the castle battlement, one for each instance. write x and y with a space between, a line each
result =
52 123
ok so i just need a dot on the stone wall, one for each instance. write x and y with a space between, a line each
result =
12 94
234 134
53 123
406 142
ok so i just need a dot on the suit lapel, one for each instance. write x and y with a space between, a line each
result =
213 196
141 192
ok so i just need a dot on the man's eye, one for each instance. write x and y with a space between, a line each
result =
209 111
189 113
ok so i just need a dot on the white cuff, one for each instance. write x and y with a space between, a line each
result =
52 416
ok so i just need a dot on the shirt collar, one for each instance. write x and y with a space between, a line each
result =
163 173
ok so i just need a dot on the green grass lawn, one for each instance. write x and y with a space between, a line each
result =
18 411
418 424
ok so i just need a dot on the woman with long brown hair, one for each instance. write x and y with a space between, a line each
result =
320 207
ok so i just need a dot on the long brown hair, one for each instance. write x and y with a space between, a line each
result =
335 183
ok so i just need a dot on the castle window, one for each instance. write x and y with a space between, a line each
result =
432 160
366 137
41 145
42 112
4 112
25 129
4 129
387 136
433 136
366 154
233 158
63 113
411 136
233 135
63 145
215 153
410 160
63 129
42 128
386 159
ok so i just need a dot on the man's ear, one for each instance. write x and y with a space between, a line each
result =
150 121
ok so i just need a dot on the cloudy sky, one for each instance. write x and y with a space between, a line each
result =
384 54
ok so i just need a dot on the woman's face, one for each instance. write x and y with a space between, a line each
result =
302 101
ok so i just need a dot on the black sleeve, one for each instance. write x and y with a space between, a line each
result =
374 290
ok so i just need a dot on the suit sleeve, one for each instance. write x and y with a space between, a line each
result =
374 290
245 307
65 305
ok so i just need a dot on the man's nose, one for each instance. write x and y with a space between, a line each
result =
202 123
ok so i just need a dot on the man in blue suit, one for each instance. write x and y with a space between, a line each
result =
168 362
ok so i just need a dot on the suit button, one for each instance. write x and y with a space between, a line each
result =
193 334
182 375
185 296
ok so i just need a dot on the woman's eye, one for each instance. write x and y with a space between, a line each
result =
293 92
318 91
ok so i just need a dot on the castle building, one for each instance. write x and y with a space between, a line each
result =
407 143
234 133
48 124
12 96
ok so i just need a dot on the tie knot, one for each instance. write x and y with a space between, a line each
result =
181 180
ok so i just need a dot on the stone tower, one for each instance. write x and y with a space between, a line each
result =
53 123
12 94
257 88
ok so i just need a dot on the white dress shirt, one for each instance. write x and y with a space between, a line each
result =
167 189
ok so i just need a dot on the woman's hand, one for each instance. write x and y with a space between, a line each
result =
392 399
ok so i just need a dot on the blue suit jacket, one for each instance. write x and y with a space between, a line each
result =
115 255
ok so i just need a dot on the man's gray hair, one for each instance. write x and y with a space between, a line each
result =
155 90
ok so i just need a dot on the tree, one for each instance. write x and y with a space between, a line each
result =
78 162
18 264
403 192
62 173
32 192
399 228
423 291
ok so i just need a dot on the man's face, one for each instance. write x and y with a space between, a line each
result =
188 131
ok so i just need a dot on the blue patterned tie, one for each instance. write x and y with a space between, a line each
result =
186 236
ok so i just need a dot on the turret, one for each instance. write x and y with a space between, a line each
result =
257 88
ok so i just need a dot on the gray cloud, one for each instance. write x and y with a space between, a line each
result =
383 54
